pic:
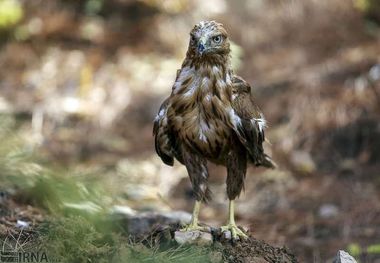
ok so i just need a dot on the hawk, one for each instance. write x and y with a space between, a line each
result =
210 116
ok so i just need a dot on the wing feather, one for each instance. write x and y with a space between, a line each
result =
166 142
248 122
161 133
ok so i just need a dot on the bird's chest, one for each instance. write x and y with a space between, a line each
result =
203 132
198 115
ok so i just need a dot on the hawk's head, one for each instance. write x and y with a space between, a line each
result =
208 38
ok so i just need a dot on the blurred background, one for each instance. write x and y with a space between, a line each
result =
81 82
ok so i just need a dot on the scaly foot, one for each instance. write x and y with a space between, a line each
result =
194 227
235 231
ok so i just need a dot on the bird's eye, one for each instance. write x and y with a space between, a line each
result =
217 39
192 38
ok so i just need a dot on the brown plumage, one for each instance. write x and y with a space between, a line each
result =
210 115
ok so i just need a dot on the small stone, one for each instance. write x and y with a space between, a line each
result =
193 237
227 235
22 224
343 257
374 73
303 161
328 211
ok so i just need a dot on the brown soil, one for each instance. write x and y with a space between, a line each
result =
251 250
254 250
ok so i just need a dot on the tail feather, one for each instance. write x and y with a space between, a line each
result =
268 162
264 160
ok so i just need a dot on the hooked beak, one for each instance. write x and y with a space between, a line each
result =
201 48
202 45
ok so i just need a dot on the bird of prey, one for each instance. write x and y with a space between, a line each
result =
210 115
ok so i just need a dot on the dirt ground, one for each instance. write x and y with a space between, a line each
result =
226 250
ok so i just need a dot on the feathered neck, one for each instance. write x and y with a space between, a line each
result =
221 60
201 79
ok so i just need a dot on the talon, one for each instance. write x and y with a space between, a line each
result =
235 231
232 227
193 227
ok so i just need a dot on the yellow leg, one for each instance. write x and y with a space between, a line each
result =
193 226
231 225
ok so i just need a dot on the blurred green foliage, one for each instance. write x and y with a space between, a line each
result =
368 5
182 254
236 54
93 6
371 11
354 249
56 190
17 166
373 249
11 12
78 227
62 192
74 239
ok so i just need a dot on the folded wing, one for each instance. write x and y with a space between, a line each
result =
165 141
248 123
161 133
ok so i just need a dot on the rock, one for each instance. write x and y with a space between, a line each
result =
142 223
193 237
328 211
22 224
343 257
374 73
227 235
303 161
